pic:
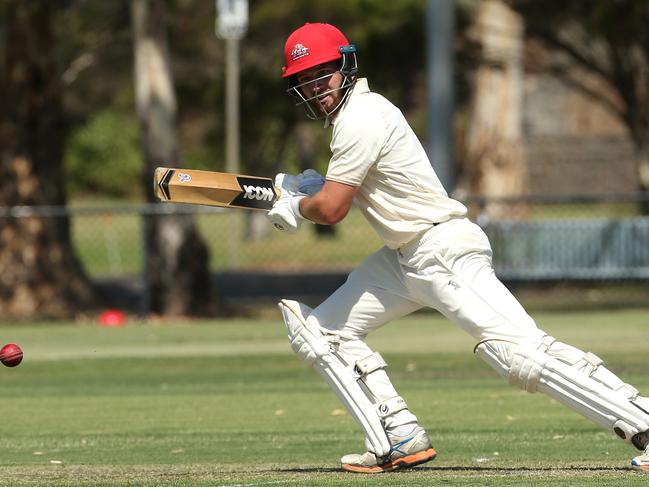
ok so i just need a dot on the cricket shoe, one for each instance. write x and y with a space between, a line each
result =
641 462
407 451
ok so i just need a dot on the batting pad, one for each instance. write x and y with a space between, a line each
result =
313 348
534 370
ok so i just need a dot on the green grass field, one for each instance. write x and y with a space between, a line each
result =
227 404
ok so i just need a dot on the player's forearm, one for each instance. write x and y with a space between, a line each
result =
329 205
319 210
312 209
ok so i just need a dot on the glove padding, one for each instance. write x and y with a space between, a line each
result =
285 214
287 183
310 182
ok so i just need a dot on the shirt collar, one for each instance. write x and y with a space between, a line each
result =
361 86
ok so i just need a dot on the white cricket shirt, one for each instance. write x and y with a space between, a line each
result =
374 148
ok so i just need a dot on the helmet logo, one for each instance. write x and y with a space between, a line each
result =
298 52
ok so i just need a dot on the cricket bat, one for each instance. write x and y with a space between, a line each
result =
214 188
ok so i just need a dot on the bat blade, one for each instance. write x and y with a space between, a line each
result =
212 188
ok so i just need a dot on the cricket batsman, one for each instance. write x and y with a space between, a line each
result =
433 257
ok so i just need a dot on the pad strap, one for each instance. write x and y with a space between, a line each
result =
589 363
369 364
546 343
391 406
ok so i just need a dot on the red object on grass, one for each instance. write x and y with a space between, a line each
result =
112 317
11 355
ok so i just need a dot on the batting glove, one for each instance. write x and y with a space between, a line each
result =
287 183
285 214
310 182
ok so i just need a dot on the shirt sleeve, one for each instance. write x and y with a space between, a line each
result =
355 146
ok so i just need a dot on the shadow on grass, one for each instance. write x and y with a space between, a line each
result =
475 469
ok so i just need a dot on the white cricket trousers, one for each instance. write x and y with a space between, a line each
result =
449 269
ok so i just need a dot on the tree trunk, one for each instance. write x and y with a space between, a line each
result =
496 161
639 130
39 273
178 276
642 163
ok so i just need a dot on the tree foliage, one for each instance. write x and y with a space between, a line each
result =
98 60
104 156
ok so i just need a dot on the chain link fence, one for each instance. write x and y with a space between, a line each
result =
553 251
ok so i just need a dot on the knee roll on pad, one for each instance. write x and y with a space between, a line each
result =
308 342
535 370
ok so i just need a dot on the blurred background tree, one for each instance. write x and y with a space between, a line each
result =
38 267
103 155
495 165
606 41
177 276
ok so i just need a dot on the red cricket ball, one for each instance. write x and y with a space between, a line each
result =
11 355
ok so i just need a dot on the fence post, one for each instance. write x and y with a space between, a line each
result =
147 241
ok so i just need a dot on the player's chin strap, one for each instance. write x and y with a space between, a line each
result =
574 378
315 349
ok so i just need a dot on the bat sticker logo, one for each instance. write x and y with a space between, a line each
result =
255 193
258 193
184 177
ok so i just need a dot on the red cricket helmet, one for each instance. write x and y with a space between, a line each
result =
310 45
